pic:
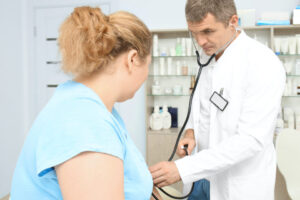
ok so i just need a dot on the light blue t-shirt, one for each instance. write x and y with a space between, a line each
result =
75 120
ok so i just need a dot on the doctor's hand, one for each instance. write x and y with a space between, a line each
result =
164 173
189 140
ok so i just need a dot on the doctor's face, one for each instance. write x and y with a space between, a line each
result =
210 34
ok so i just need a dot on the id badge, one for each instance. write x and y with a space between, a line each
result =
218 101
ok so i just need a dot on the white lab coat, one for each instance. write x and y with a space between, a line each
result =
239 158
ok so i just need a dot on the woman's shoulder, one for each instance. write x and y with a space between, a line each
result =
76 102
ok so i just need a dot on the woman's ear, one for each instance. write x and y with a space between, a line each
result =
132 59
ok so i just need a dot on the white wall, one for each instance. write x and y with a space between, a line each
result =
157 14
11 91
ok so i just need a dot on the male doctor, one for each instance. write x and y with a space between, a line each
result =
232 148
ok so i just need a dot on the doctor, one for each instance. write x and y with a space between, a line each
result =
232 148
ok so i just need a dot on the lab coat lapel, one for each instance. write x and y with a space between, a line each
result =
218 79
222 78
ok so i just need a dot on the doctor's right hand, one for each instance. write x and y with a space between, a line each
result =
189 140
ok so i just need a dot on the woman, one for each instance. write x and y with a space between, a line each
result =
78 147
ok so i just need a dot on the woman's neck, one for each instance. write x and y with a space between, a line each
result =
103 86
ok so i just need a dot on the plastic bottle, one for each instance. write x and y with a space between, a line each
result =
297 66
156 89
184 69
166 116
183 47
170 66
178 47
162 66
155 69
155 45
156 121
298 122
178 68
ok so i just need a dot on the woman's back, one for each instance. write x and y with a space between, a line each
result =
74 121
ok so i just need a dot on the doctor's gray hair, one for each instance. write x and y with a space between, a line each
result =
197 10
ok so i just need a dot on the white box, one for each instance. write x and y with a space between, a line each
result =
296 16
275 16
247 17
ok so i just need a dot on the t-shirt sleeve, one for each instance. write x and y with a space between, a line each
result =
76 130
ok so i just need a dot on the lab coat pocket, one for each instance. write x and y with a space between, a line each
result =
223 117
230 116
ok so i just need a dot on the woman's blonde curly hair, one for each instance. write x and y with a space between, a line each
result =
89 40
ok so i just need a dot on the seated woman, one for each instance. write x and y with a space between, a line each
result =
78 147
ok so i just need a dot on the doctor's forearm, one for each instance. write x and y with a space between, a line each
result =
219 158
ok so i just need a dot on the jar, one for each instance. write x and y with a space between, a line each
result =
177 89
156 89
184 69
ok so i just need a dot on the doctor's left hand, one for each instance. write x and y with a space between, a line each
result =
164 173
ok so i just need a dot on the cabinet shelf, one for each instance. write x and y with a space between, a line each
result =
193 56
168 95
289 55
173 131
292 75
151 75
267 27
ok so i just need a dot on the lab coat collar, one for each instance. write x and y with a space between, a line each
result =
231 48
235 45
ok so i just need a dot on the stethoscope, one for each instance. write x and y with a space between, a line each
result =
190 103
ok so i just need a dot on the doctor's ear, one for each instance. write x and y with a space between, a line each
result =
234 21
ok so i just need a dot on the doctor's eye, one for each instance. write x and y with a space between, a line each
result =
208 31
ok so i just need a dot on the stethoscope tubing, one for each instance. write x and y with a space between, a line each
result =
190 107
185 122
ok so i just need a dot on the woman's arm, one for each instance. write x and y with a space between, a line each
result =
91 175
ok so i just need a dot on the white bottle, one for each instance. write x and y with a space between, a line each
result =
298 122
155 69
170 65
156 122
189 46
178 68
156 89
178 47
155 45
162 66
166 116
297 67
183 47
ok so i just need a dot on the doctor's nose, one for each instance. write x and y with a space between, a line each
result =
201 41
